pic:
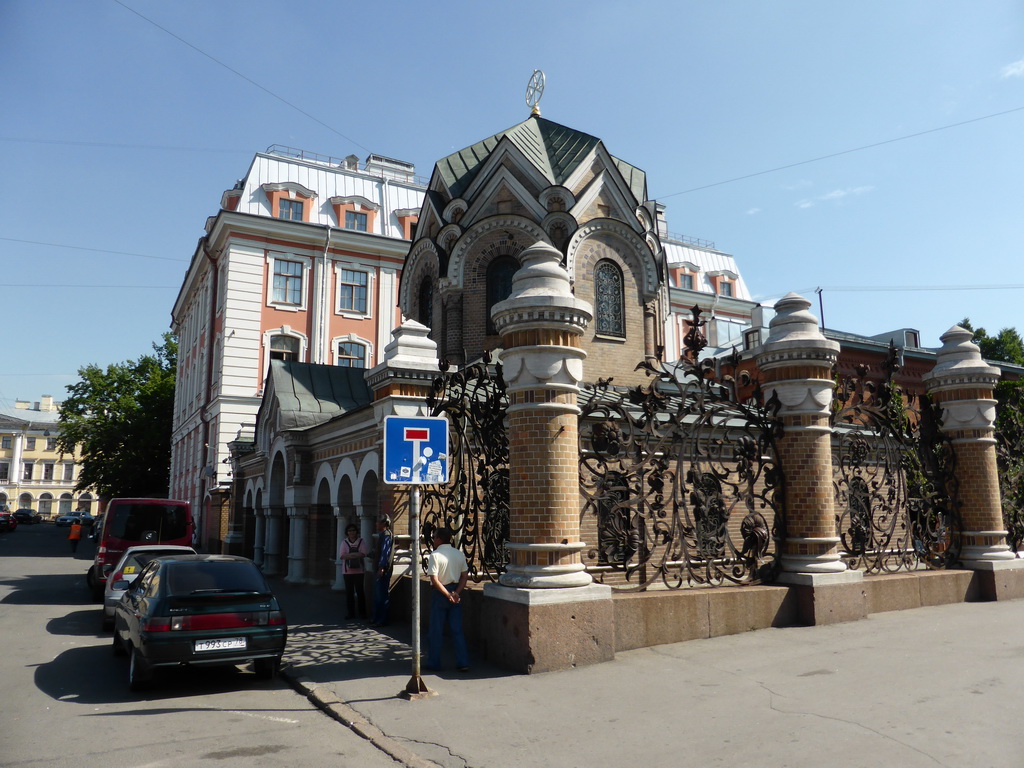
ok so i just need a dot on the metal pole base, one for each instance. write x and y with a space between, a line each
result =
416 689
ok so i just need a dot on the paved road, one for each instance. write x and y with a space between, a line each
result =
65 700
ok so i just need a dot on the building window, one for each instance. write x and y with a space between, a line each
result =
48 472
356 221
284 348
351 354
51 443
30 443
27 471
5 442
725 288
287 282
352 290
686 281
610 316
426 302
289 209
5 472
499 284
69 471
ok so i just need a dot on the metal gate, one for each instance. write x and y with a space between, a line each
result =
893 476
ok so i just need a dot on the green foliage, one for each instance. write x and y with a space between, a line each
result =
1006 346
121 419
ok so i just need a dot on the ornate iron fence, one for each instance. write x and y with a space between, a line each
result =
679 478
475 502
893 476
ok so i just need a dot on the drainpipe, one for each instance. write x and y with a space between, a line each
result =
207 481
318 342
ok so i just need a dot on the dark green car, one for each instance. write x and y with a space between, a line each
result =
192 610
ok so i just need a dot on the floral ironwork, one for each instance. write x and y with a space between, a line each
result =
475 504
893 476
679 477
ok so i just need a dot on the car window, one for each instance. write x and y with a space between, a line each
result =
186 578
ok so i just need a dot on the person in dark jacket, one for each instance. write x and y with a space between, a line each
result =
382 575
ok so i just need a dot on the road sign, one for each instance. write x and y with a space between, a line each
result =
415 450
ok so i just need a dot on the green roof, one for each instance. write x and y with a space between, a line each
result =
554 149
308 394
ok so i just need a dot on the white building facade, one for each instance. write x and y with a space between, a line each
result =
301 262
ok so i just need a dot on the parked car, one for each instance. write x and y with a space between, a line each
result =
132 522
27 516
128 569
199 610
68 519
7 521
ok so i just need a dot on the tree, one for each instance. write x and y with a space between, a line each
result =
1006 346
121 419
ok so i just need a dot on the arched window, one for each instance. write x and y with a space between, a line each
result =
499 284
284 348
426 303
610 316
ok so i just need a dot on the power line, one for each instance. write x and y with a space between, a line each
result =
244 77
94 250
846 151
79 285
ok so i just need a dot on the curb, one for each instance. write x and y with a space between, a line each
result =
326 700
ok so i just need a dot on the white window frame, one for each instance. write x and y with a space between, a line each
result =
370 283
352 338
272 257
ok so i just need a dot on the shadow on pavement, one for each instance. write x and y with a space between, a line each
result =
47 589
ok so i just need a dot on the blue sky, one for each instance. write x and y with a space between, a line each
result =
121 133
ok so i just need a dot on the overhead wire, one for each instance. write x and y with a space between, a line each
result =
248 79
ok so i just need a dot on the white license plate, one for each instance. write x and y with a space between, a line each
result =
223 644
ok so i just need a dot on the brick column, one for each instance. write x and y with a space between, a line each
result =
796 364
963 384
558 617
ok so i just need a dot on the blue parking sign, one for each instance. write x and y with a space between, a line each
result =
415 450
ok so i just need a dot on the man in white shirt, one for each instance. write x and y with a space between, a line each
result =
448 572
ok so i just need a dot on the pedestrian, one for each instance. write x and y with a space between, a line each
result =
448 572
353 551
74 536
382 576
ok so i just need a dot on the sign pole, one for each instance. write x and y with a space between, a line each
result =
416 688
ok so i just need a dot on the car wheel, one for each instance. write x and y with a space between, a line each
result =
139 673
267 669
95 586
116 645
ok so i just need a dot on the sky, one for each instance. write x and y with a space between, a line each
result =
871 150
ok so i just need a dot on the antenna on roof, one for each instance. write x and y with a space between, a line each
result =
534 90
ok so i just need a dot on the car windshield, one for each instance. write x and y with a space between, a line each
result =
189 578
131 521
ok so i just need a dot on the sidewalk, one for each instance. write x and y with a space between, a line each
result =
928 687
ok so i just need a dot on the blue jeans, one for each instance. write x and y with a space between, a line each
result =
381 600
444 612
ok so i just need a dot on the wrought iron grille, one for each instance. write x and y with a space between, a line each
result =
475 502
679 478
893 476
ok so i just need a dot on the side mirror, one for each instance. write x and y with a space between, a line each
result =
120 586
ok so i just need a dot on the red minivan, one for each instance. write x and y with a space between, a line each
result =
130 522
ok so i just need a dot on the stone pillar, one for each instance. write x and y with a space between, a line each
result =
259 538
272 551
563 619
339 565
297 531
963 384
796 364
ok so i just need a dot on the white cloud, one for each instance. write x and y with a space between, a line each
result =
834 195
753 211
1014 70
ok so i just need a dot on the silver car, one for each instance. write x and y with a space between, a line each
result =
128 569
